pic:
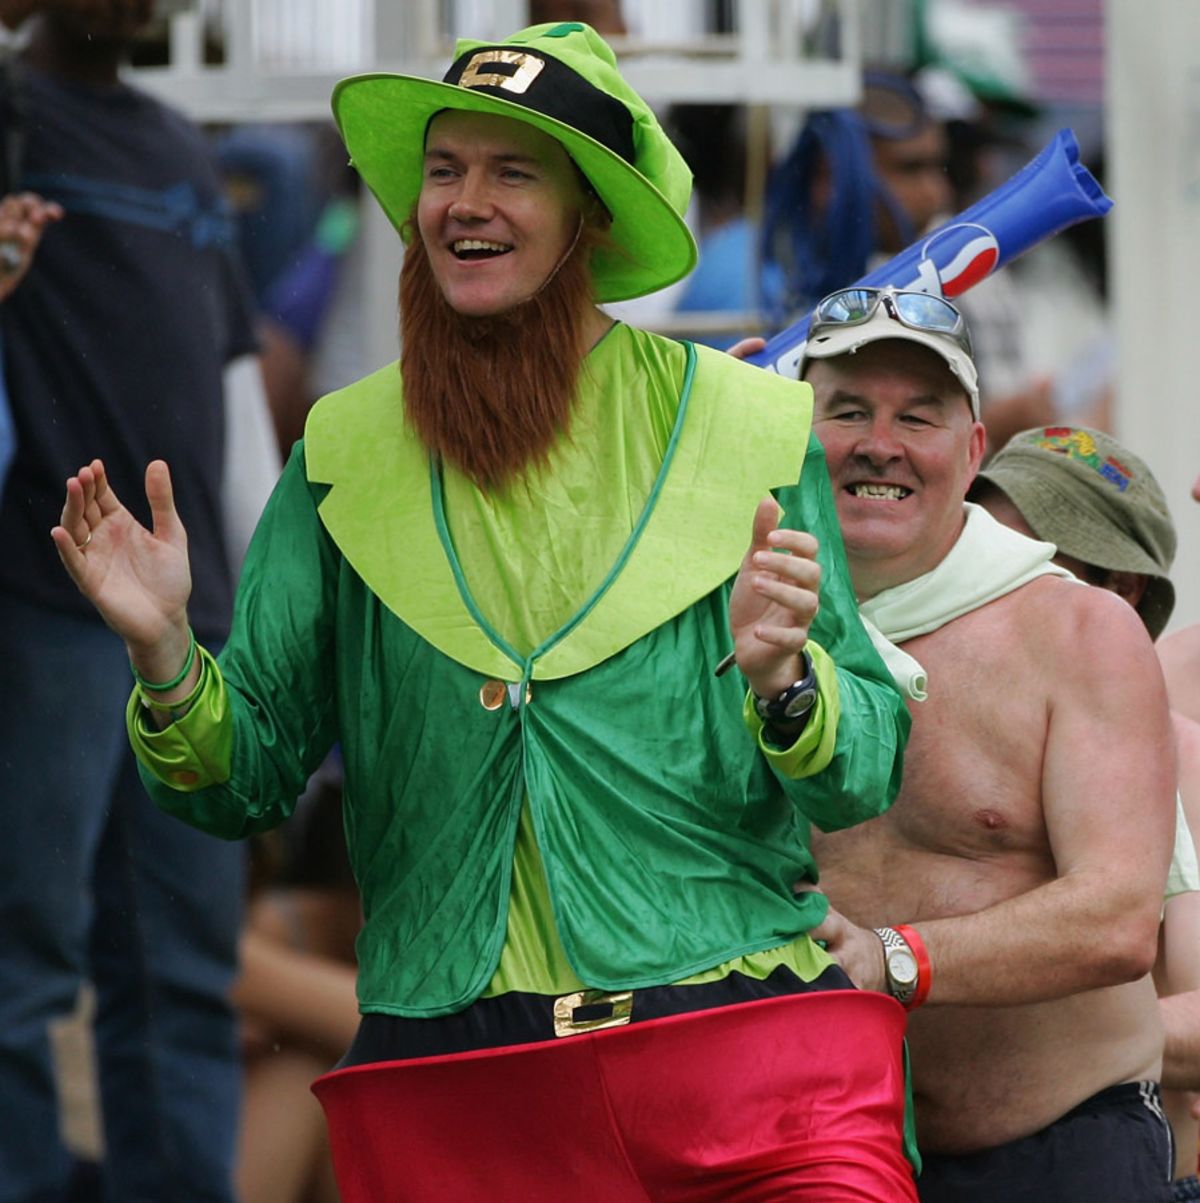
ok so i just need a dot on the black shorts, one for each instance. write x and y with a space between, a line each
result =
1113 1148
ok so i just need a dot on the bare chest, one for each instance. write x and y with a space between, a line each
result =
973 768
967 828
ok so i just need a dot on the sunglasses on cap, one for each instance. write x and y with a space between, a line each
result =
916 310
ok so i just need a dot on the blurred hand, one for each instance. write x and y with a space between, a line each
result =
23 220
747 346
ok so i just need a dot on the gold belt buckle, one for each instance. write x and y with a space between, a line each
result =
565 1023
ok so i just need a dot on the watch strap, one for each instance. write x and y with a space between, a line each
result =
795 701
893 942
912 938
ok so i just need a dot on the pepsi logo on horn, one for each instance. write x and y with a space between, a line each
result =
956 258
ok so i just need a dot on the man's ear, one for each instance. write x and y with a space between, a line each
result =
975 449
1128 585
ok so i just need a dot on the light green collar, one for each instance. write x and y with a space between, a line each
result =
987 561
741 431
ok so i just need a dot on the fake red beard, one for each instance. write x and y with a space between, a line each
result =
492 395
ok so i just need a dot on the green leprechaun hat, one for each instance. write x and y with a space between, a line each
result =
562 79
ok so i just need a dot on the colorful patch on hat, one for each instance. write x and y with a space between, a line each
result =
1081 447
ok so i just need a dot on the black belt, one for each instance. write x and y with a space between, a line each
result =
519 1018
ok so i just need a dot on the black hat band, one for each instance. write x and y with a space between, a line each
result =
549 87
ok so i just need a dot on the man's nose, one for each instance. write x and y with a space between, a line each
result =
878 443
473 202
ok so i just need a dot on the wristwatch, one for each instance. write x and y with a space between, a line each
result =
900 965
794 702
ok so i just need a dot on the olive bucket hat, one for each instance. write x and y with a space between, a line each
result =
1096 501
561 79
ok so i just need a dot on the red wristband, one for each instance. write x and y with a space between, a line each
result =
924 966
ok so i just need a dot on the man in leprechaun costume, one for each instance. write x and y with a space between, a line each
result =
504 577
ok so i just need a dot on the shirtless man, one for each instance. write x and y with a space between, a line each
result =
1029 846
1100 505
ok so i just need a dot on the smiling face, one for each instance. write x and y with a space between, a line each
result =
500 207
902 449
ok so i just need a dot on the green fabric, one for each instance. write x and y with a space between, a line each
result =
531 553
669 846
533 959
195 750
912 1149
383 119
361 443
337 227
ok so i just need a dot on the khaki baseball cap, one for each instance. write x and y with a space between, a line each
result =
829 339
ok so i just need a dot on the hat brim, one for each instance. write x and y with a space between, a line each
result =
845 340
1082 524
383 118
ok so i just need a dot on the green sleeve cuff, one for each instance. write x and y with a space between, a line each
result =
814 746
196 750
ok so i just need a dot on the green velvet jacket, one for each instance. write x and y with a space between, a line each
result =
671 833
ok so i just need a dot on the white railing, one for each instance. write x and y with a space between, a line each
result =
282 57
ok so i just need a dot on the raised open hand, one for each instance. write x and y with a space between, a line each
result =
139 580
774 601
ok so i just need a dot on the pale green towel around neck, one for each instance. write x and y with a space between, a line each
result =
988 561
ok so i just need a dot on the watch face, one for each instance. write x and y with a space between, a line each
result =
902 967
802 703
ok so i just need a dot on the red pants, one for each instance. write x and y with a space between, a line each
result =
799 1097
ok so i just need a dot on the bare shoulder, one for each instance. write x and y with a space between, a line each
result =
1187 736
1076 626
1187 747
1180 657
1181 647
